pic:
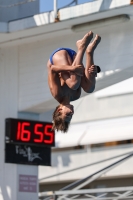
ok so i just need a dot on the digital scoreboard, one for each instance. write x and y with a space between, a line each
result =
28 142
30 132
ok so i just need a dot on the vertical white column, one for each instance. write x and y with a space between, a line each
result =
9 87
8 108
55 8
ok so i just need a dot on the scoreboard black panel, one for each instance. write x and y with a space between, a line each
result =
28 142
25 154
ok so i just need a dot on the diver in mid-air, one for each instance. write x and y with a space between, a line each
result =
67 75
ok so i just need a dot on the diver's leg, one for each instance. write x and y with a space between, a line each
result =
81 46
88 80
74 80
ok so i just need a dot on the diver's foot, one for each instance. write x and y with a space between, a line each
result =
83 43
92 46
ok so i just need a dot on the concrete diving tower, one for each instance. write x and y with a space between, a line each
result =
32 40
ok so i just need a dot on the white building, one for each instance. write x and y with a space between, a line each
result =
102 125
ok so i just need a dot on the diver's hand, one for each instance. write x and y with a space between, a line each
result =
93 70
79 70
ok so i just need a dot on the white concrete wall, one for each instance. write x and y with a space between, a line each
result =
93 108
8 108
92 7
71 159
9 86
114 52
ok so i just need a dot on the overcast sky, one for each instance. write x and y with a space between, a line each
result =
47 5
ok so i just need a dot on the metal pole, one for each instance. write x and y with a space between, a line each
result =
126 194
94 191
55 9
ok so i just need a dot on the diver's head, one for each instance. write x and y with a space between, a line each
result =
62 117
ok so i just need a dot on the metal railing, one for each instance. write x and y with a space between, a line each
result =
71 190
115 193
84 166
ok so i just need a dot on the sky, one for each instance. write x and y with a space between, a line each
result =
47 5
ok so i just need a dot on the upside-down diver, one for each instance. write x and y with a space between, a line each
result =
67 75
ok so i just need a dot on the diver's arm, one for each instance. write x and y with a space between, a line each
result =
78 69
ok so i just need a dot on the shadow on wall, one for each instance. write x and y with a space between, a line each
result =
5 192
60 160
105 5
64 158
